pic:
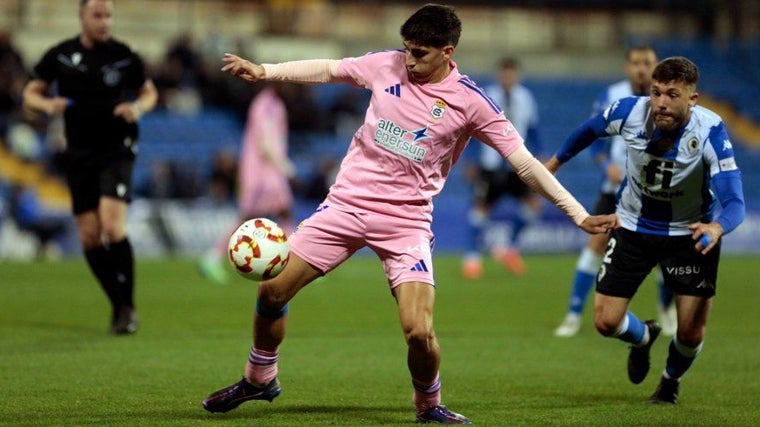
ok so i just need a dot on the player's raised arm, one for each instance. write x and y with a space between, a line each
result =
307 71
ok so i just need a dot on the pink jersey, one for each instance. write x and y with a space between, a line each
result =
264 188
412 135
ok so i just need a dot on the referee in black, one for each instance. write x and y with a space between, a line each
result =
100 88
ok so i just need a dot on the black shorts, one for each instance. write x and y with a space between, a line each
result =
91 175
631 256
605 204
492 185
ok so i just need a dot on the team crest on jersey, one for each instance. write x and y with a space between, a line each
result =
438 110
111 77
76 58
693 145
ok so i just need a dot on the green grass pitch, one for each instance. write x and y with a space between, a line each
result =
343 361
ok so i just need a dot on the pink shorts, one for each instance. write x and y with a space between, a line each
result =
330 236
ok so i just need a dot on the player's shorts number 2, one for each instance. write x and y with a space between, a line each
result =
607 258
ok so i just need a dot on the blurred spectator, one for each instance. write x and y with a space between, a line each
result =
179 77
46 225
28 210
169 180
223 181
183 52
303 114
12 80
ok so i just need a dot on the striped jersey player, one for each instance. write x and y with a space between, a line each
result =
609 153
667 186
676 151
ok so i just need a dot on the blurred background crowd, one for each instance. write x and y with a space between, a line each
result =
186 173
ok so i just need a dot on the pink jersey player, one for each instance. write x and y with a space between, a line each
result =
400 158
263 171
264 166
398 161
421 115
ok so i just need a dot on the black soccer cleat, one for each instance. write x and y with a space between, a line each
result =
124 322
638 358
231 397
666 392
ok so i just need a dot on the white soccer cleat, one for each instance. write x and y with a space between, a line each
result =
569 327
668 319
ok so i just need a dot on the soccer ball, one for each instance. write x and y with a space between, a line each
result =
259 249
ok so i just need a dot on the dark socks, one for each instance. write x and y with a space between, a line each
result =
122 259
680 358
99 261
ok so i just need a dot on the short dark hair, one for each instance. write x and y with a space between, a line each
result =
433 25
509 63
676 69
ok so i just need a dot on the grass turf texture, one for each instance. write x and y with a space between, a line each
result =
344 359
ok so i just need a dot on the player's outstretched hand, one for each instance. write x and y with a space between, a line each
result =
242 68
597 224
706 235
552 165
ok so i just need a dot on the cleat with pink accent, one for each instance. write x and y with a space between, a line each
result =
231 397
440 415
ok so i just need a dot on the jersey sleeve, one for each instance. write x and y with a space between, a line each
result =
358 71
47 68
718 154
489 125
718 151
136 75
616 115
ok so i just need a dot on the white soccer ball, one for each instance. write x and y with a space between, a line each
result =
259 249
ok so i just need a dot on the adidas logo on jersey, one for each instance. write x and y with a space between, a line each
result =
419 266
394 90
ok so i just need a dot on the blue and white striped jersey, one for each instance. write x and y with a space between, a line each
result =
667 184
614 145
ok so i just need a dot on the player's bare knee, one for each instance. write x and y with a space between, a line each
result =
90 239
114 232
606 326
271 296
690 337
420 337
